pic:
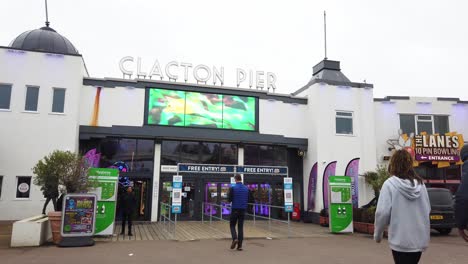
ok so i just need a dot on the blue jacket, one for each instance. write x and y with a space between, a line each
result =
239 196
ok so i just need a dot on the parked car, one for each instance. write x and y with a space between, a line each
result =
442 211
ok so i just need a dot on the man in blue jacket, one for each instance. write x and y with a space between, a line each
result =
461 197
239 197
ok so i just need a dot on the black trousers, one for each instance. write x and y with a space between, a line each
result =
54 201
237 217
406 257
127 217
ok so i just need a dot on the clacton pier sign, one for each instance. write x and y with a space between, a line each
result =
174 70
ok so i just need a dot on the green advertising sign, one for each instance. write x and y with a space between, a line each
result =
106 192
340 207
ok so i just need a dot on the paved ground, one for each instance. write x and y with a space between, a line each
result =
347 249
191 230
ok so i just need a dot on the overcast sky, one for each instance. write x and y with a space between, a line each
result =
416 48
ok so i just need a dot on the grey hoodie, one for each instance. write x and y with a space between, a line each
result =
405 208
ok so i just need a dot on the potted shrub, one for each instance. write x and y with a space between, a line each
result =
357 219
324 217
376 180
368 217
67 170
364 217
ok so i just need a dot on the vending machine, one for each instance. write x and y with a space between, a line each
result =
106 192
340 204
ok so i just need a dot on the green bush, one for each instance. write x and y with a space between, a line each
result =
61 168
368 215
357 214
377 178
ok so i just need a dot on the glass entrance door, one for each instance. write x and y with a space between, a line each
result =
216 193
140 187
188 199
141 191
262 194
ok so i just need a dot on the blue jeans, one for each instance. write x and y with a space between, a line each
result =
237 217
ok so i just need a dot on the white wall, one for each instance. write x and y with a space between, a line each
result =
117 106
326 146
27 137
388 119
279 118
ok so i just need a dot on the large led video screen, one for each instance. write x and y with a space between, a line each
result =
194 109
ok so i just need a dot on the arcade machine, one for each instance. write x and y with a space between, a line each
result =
224 199
264 199
211 197
253 188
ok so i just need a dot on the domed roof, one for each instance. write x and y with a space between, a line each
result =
44 39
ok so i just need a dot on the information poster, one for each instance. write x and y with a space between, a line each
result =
176 194
78 215
288 195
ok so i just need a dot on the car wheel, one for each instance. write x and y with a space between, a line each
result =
444 231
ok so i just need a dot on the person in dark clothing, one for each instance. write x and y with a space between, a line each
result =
128 205
461 197
51 193
239 196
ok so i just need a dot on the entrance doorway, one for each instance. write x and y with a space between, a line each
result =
189 205
214 189
216 193
142 191
267 192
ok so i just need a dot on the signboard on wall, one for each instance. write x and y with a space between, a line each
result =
437 148
262 170
200 168
78 217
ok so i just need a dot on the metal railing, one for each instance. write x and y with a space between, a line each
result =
269 218
166 216
254 215
212 216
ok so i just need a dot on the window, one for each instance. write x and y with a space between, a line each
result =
228 154
5 96
441 124
23 187
32 97
1 185
136 154
251 155
344 123
189 152
210 153
407 124
265 155
58 101
170 152
424 123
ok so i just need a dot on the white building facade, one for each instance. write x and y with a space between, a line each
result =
331 126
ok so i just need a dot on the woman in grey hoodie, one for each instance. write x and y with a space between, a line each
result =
404 206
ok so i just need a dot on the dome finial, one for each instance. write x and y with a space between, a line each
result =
47 23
